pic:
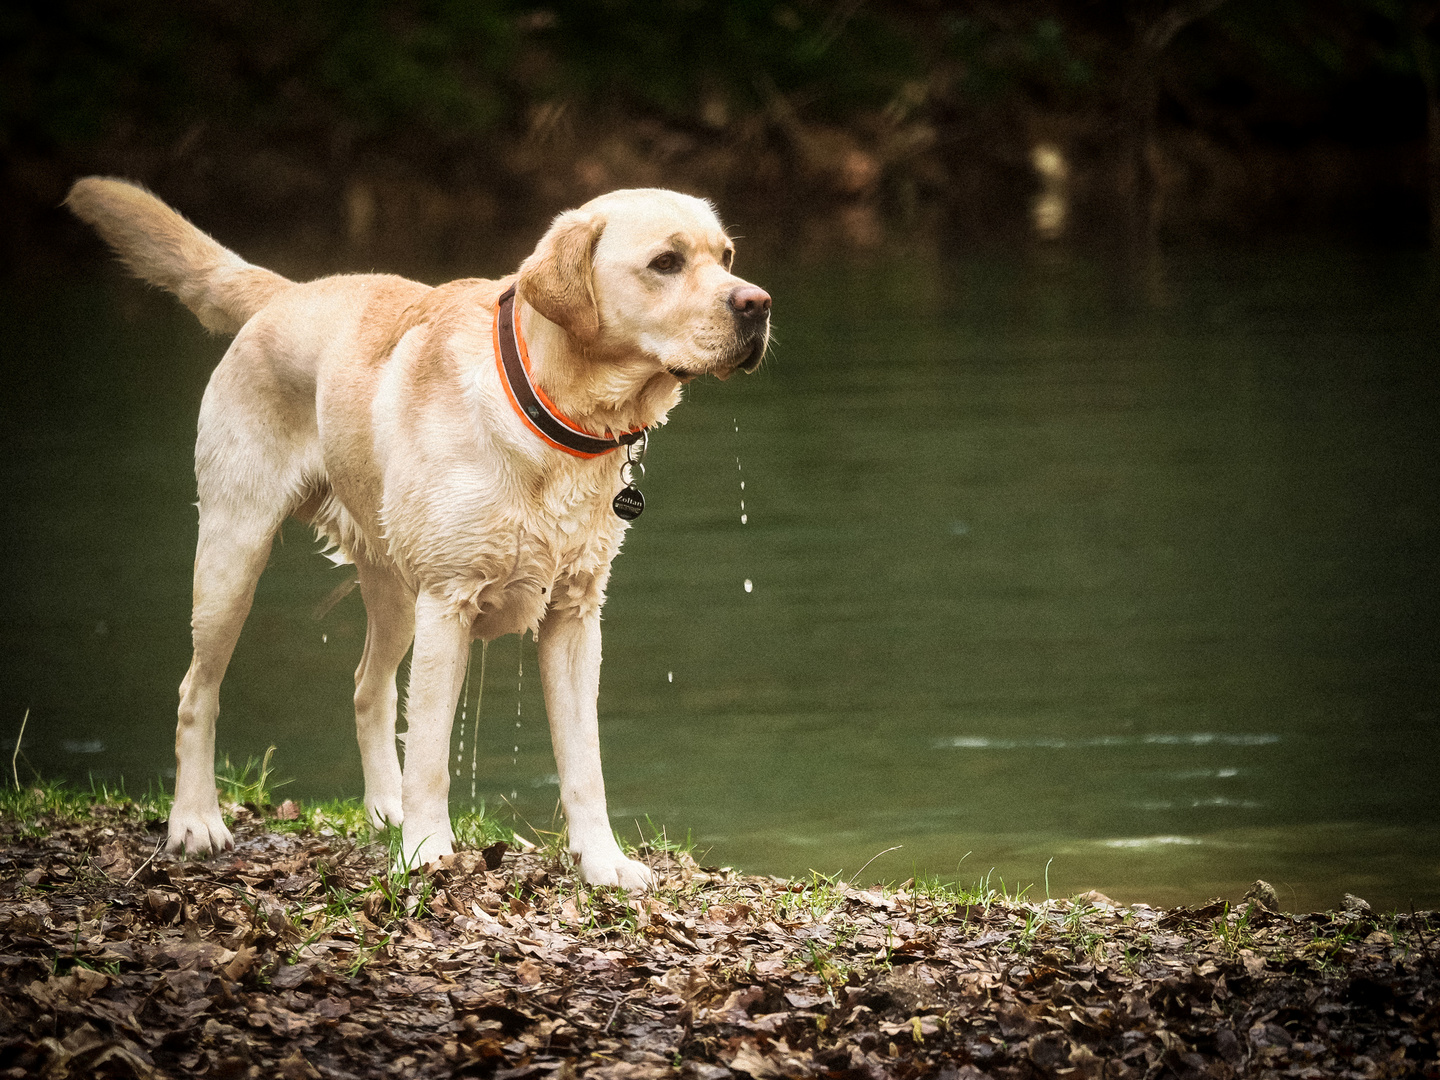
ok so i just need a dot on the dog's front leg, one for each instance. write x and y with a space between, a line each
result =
437 669
570 673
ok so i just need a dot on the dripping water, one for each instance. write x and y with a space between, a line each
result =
744 518
475 724
475 737
464 700
519 701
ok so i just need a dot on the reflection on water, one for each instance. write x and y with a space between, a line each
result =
1022 571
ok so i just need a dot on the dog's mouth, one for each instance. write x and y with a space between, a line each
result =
749 360
747 363
753 358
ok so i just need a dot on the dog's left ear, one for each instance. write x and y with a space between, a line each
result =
558 279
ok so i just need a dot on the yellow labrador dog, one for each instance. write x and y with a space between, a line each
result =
462 446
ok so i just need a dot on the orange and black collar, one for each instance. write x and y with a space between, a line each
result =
538 411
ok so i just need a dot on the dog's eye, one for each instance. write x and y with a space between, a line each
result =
727 258
667 263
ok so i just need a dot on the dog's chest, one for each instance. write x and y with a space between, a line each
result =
552 548
572 529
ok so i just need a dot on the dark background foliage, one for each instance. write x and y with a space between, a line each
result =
333 133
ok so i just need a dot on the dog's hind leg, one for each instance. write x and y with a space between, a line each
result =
232 551
254 451
389 629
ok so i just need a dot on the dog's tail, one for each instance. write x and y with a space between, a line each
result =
159 245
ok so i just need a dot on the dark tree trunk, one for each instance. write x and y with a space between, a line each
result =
1137 179
1421 18
1154 26
1432 162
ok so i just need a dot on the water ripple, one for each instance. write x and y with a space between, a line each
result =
1196 738
1152 841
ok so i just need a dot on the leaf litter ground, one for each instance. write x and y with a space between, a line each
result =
299 955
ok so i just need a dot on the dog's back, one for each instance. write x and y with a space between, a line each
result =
222 289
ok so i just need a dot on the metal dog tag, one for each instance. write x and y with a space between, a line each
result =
628 503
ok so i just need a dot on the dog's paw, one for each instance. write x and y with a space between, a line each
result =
416 851
198 833
616 869
383 810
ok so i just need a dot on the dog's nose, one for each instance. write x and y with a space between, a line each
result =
750 302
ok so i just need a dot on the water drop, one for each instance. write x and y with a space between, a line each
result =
742 485
324 638
749 585
669 676
743 519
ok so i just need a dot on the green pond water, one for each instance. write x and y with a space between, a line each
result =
1036 567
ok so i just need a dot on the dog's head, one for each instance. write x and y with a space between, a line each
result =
646 272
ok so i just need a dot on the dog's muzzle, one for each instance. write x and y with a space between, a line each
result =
750 307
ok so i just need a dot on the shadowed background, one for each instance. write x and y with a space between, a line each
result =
1090 490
